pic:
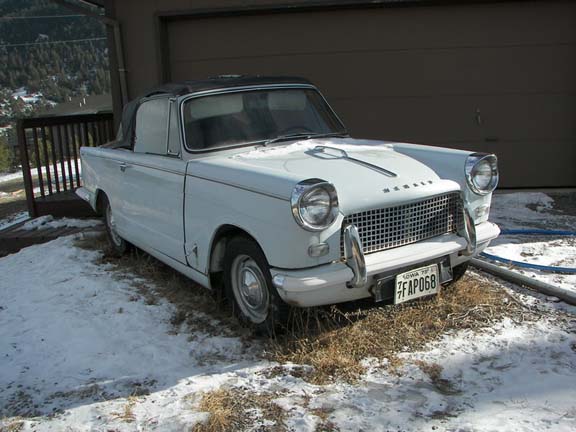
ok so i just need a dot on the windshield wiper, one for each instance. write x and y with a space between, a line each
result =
305 135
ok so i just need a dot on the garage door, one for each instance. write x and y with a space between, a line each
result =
496 78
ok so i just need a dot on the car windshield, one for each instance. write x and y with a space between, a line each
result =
252 116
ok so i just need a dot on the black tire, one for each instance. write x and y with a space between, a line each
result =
458 272
118 245
244 257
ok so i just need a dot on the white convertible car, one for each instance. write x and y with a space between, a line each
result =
251 185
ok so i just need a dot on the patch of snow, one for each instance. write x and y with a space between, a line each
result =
9 177
534 210
33 99
46 222
19 92
522 210
512 377
77 342
13 220
346 144
74 339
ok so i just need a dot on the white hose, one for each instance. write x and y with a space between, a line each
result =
543 287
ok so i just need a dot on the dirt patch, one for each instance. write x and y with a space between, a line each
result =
335 343
11 206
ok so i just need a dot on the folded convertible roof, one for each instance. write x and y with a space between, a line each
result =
222 82
186 87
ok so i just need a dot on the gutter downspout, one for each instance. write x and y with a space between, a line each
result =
115 25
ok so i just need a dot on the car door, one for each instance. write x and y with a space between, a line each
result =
154 180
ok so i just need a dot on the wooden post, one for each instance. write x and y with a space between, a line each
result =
38 161
28 185
47 157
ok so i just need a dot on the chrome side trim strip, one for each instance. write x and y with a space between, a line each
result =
354 257
129 162
247 189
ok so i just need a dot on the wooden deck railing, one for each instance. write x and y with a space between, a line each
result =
50 150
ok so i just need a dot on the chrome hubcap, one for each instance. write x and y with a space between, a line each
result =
249 287
112 226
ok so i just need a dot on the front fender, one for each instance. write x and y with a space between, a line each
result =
210 205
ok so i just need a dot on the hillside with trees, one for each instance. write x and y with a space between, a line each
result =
48 54
50 49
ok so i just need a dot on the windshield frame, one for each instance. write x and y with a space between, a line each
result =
226 90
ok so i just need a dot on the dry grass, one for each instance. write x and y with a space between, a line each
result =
91 241
15 424
434 372
235 409
336 342
324 425
127 413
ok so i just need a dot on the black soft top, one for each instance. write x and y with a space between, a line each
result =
187 87
222 82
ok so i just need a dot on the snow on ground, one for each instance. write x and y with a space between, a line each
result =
13 220
46 222
70 171
4 177
535 210
80 349
75 340
495 381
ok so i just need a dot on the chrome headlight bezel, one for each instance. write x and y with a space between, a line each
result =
303 190
473 162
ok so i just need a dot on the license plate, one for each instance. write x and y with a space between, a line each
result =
416 283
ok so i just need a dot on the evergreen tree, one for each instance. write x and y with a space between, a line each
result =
5 155
76 65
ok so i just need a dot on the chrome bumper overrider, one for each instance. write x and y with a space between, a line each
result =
468 231
354 257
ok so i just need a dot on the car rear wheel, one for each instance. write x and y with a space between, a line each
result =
118 245
249 287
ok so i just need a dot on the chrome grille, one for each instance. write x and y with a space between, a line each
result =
390 227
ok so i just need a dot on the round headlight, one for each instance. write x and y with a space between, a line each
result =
314 204
482 173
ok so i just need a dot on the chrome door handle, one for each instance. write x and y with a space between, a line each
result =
123 166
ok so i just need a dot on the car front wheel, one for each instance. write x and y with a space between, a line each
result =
249 287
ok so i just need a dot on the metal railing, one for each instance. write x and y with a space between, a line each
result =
49 151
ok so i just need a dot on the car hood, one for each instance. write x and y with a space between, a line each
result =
366 173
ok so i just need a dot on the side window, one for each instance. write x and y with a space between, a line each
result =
152 127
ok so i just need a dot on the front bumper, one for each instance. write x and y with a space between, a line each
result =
328 284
